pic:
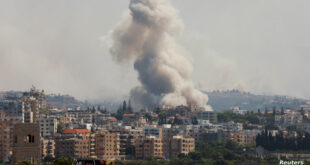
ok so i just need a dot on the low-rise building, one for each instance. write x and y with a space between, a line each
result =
207 115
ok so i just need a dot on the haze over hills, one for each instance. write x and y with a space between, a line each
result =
219 100
224 100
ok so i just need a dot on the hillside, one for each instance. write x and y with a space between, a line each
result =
224 100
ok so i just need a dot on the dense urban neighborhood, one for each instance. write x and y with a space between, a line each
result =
34 131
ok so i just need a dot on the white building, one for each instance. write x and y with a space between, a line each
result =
239 111
48 126
232 126
207 115
289 119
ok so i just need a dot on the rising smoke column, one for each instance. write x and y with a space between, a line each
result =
145 36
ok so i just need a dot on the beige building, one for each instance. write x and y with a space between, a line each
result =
148 147
107 145
26 143
48 148
128 138
244 137
74 147
67 118
6 134
74 143
180 144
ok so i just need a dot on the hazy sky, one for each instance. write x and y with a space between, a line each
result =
261 46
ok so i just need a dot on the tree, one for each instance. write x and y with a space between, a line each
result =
65 161
60 128
25 163
282 111
274 111
266 111
194 120
129 108
162 116
195 155
124 106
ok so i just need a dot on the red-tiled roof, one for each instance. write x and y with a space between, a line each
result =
129 115
76 131
112 118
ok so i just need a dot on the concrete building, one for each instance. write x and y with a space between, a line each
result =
107 145
232 126
48 148
67 118
75 147
12 107
180 144
245 137
237 110
149 147
37 95
48 126
291 118
129 118
74 143
26 143
153 131
207 115
128 138
31 105
6 134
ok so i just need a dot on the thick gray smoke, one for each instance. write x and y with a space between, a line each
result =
146 37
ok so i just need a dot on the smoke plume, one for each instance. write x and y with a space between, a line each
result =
145 36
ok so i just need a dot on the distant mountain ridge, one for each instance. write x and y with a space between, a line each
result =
219 100
60 101
224 100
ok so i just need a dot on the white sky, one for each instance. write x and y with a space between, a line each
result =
260 46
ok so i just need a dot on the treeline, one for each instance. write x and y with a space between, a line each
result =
123 108
220 153
229 116
280 142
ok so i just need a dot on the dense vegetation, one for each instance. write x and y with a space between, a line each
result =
229 116
224 100
280 142
220 153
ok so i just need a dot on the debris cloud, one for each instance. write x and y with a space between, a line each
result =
146 37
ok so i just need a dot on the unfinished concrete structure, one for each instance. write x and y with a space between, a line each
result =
26 143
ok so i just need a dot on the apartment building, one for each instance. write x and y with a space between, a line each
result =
150 146
180 144
128 138
74 143
107 145
75 147
48 126
48 148
244 137
6 134
206 115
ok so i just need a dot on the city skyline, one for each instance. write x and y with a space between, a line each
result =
62 46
